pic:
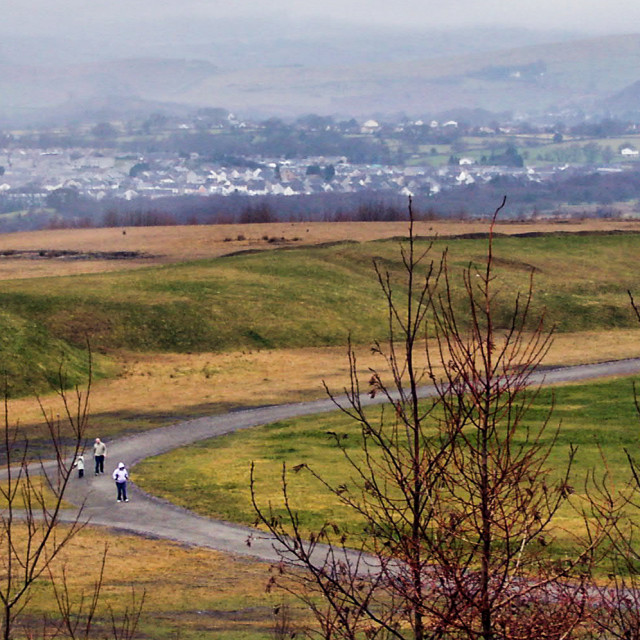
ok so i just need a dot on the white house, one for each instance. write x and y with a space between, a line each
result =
465 178
370 126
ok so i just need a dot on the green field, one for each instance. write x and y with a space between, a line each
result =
213 477
293 298
536 150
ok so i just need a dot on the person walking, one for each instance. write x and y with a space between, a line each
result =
121 475
79 465
99 454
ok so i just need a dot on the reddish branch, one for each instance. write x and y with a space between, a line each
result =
455 493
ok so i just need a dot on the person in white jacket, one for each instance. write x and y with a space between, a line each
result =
121 475
79 465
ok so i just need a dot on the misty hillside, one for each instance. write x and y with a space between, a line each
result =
625 102
245 43
527 80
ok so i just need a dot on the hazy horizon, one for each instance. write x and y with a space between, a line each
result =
42 17
339 56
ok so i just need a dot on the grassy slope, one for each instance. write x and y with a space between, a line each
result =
293 298
312 296
33 361
214 475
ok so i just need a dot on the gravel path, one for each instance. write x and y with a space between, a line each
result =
152 517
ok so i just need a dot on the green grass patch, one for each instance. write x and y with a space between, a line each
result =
213 476
32 360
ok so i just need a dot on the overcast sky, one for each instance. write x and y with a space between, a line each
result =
563 14
600 16
573 15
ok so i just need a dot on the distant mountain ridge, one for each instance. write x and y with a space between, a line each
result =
590 74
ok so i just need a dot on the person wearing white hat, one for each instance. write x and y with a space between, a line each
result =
121 475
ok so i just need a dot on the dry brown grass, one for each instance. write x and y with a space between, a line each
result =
190 592
156 389
179 243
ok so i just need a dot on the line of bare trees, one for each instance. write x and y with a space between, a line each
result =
456 497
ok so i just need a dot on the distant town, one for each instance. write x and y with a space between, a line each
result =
83 174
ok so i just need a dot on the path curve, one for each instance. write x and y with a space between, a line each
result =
152 517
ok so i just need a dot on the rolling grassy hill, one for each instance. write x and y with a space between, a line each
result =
315 296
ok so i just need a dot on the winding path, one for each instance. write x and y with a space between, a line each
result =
152 517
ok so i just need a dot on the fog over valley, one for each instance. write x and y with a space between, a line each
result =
341 58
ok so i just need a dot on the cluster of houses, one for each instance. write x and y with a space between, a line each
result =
100 174
28 175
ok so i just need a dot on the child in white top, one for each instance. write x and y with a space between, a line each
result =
79 465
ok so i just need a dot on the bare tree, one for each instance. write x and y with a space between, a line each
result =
618 613
32 495
455 492
31 532
390 488
498 500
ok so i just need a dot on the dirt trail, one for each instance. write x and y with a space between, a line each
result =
152 517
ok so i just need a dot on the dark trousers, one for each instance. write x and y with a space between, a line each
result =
122 490
99 464
80 473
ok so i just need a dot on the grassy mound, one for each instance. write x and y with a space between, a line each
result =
302 297
314 296
34 361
